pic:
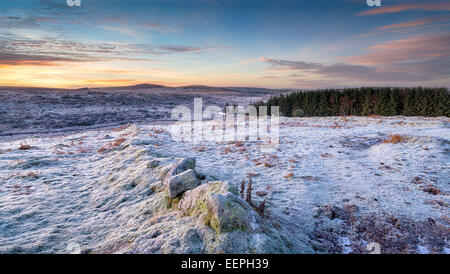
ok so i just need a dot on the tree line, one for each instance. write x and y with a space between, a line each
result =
365 101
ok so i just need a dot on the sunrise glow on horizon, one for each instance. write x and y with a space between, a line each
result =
273 44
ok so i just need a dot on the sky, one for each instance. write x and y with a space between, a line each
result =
272 44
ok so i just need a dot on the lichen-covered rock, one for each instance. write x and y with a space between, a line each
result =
227 212
182 182
219 206
193 201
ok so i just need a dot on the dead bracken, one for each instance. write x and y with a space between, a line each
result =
111 145
432 190
24 146
395 139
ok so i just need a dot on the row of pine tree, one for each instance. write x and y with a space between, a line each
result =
383 101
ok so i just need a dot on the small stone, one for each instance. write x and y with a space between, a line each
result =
261 193
181 166
182 182
155 234
86 251
417 180
154 164
200 175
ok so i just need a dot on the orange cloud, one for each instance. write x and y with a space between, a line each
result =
440 6
251 61
409 24
404 50
7 63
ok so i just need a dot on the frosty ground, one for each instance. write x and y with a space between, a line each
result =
333 185
38 111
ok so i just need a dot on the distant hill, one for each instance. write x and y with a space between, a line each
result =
149 86
142 86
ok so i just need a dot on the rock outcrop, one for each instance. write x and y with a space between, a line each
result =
228 212
193 202
217 219
218 205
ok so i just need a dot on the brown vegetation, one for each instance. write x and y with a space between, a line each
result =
239 143
262 207
121 127
226 150
248 198
199 148
158 130
432 190
118 142
289 175
394 139
24 147
31 174
242 188
112 145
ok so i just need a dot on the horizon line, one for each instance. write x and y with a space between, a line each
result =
218 87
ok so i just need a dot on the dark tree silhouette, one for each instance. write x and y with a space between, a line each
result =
363 101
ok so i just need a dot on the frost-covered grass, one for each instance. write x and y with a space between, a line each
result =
335 184
25 111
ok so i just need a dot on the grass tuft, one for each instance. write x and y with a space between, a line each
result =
395 139
24 147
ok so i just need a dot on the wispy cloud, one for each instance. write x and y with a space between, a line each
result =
270 77
122 30
23 51
127 41
405 50
413 23
277 64
24 21
436 6
158 27
414 59
250 61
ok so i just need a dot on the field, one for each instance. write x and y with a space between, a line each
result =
28 111
331 185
